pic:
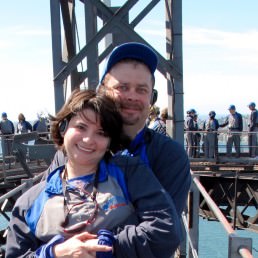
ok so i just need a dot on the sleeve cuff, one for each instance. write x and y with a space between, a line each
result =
47 249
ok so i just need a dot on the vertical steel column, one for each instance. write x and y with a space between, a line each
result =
69 41
108 38
92 57
235 200
193 218
174 54
56 52
175 85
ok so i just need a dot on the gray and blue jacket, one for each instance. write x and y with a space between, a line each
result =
234 122
169 162
6 127
132 204
211 125
253 121
166 158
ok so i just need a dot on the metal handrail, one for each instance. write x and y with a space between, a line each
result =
242 250
19 188
193 250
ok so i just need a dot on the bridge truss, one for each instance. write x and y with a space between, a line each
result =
112 25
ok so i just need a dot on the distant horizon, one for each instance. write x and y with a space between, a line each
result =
200 116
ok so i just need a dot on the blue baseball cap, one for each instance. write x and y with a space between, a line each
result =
132 50
251 104
212 113
232 107
4 114
192 110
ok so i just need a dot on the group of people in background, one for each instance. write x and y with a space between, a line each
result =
234 124
157 122
8 129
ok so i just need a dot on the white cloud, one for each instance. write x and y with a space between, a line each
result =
11 35
153 32
216 91
220 68
27 88
4 44
226 39
34 32
24 30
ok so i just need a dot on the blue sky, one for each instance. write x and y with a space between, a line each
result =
220 55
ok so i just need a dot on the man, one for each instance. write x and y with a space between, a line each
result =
253 129
234 121
40 125
7 129
210 137
189 128
129 77
197 138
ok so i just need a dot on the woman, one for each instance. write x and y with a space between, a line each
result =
63 216
156 123
23 126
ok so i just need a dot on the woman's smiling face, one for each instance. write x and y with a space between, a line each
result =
84 140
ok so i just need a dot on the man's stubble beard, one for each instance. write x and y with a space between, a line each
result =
127 119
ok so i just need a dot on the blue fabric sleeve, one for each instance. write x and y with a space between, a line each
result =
46 251
157 231
105 238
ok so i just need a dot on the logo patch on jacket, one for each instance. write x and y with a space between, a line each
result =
113 202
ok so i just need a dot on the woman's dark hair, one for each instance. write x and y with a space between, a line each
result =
101 104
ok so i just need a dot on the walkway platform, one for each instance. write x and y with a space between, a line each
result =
233 185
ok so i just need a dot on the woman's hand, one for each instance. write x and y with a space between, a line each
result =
84 245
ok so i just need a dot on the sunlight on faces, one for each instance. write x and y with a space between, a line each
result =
131 84
85 141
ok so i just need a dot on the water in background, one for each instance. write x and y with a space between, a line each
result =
213 240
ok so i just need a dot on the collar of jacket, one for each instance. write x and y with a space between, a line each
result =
140 139
54 180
